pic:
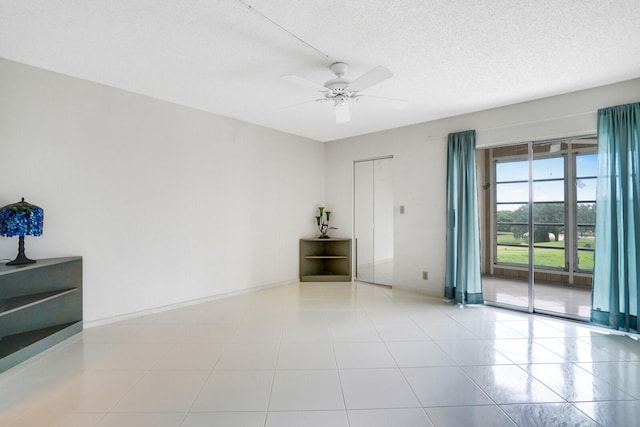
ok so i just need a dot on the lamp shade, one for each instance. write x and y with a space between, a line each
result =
21 219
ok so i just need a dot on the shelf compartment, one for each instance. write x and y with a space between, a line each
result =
19 347
325 257
325 260
10 305
12 343
326 278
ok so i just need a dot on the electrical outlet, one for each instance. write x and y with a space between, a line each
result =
425 275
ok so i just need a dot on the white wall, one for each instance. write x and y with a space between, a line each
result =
169 204
420 167
165 203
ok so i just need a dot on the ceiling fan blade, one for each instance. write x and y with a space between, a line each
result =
341 111
302 81
370 78
395 103
303 103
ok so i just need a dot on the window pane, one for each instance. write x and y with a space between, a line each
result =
518 193
512 213
543 257
586 237
512 171
585 261
548 168
547 235
586 165
512 254
548 213
548 191
586 213
518 237
586 189
508 233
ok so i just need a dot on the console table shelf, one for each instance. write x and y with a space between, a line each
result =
40 305
325 257
10 343
325 260
9 305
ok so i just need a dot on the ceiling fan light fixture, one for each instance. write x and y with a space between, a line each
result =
341 109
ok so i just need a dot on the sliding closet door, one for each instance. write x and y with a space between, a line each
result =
373 220
363 220
383 222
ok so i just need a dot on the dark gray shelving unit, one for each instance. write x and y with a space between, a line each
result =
40 305
325 260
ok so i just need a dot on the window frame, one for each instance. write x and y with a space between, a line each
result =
577 249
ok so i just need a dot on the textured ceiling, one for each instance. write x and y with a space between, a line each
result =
448 57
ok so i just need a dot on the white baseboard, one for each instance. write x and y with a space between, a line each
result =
420 291
183 304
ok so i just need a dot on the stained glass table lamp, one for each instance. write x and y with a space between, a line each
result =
21 219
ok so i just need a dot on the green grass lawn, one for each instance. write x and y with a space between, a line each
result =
585 260
543 257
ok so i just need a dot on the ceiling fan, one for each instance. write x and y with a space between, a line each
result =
342 91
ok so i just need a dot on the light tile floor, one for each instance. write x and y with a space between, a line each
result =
331 354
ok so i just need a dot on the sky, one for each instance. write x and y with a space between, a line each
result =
551 169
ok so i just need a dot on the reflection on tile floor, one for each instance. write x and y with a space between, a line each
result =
380 272
330 354
575 302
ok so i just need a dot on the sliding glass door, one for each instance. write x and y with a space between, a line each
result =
549 199
509 285
543 223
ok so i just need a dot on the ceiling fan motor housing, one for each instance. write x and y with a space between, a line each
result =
339 86
339 68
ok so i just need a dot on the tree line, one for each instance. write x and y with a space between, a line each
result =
545 213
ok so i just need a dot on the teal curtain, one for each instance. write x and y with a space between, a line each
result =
463 281
615 299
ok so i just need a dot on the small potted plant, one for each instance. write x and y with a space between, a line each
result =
322 221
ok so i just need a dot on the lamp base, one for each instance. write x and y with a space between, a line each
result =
21 259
